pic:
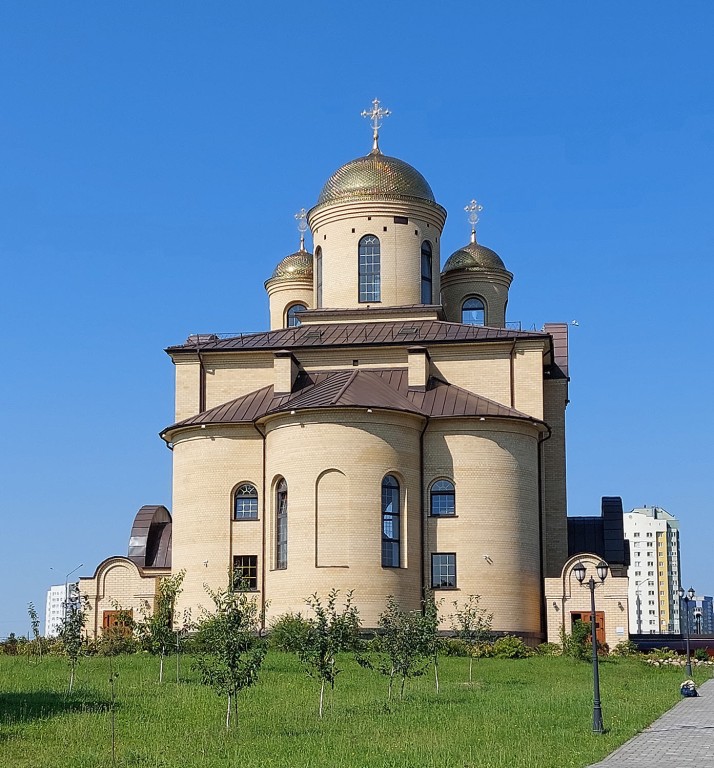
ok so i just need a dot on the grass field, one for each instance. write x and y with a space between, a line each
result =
527 713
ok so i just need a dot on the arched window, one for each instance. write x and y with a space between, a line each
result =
369 269
245 502
426 292
391 522
318 277
281 525
442 499
294 315
473 312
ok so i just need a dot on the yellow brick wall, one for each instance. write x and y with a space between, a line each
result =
494 534
118 584
565 594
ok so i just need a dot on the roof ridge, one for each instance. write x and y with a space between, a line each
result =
342 391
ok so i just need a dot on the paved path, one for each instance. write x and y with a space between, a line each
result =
681 738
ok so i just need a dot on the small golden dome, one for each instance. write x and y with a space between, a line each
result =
296 266
474 257
375 176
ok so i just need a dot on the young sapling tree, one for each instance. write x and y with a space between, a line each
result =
399 648
329 631
235 650
155 630
472 624
71 626
429 625
35 624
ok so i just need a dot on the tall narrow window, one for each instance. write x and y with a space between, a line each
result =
391 522
369 269
318 277
293 316
426 293
245 503
473 312
281 525
442 500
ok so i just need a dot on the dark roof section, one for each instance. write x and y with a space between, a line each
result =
603 535
347 334
381 388
150 539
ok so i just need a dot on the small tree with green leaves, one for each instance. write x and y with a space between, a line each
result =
233 649
70 631
330 631
432 643
399 650
155 630
472 624
35 624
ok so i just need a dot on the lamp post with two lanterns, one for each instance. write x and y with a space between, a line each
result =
579 571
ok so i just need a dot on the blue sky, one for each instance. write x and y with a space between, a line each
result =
152 156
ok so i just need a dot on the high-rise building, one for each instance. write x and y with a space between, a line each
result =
653 535
701 615
54 609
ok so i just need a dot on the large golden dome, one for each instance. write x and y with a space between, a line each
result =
375 176
296 266
474 257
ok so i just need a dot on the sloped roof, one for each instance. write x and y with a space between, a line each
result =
358 333
382 388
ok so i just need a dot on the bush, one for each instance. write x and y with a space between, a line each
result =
701 654
510 647
549 649
454 647
289 632
576 644
662 654
625 648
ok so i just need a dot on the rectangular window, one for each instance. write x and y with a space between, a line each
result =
245 571
443 571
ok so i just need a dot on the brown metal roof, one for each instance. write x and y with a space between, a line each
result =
150 538
348 334
383 388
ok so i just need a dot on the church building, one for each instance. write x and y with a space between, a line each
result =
391 432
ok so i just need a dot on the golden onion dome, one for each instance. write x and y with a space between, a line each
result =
474 257
375 176
296 266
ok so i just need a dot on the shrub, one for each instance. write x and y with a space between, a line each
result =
701 654
289 632
549 649
510 647
453 646
576 644
662 654
625 648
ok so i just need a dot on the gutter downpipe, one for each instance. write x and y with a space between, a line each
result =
544 607
422 514
201 379
512 373
263 604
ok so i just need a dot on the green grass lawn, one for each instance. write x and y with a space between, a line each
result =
528 713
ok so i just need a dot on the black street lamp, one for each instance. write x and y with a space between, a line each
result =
579 571
687 596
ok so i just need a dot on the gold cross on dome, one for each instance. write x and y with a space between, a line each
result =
301 217
376 114
473 209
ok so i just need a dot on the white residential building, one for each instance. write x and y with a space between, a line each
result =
654 579
54 609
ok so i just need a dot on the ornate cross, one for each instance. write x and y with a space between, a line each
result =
301 217
376 115
473 209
